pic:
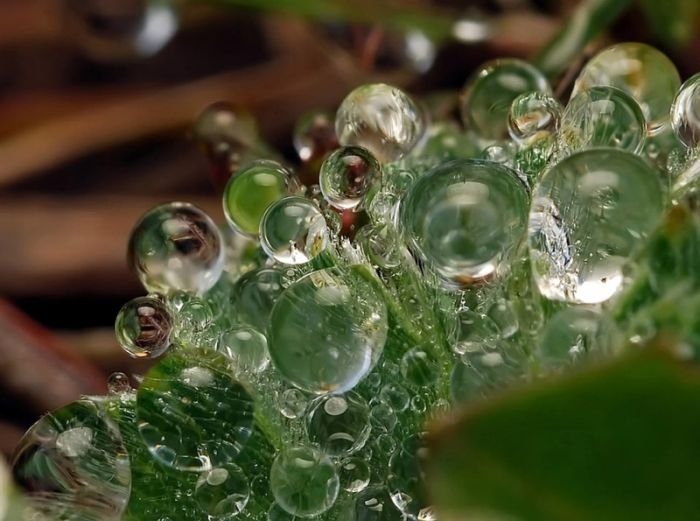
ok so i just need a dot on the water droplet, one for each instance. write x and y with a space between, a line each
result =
685 112
253 296
482 372
292 403
419 367
382 119
222 493
176 246
182 404
347 175
503 314
395 396
118 383
314 136
588 216
293 231
252 190
72 465
373 504
641 71
354 474
143 327
603 117
327 331
382 417
533 118
338 424
406 479
466 218
475 332
247 348
304 481
489 93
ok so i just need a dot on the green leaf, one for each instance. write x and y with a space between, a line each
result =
673 22
615 442
590 18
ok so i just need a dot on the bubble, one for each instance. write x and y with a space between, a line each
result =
504 315
327 331
534 117
71 465
685 112
339 424
118 383
419 367
292 403
194 322
114 30
222 493
293 231
304 481
253 296
247 348
252 190
502 153
639 70
590 214
382 417
603 116
314 135
347 175
373 504
475 332
395 396
482 371
354 474
381 245
382 119
466 218
176 246
489 92
182 406
406 479
143 327
572 335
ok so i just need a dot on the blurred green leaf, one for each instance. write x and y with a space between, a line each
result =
590 18
674 22
616 442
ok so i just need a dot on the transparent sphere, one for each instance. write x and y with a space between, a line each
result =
314 135
474 332
304 481
534 116
395 396
381 244
639 70
253 296
143 327
192 414
603 117
292 403
382 119
339 424
222 493
252 190
354 474
118 383
72 465
247 349
406 478
193 317
373 504
489 92
419 367
327 331
116 30
347 175
572 335
465 218
293 231
176 246
590 213
483 371
685 112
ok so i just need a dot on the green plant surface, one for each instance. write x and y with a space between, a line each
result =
673 22
615 442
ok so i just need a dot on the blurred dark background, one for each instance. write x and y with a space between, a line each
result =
96 99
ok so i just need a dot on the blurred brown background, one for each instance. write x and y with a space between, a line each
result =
95 101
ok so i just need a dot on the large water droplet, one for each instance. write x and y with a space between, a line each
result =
143 327
685 112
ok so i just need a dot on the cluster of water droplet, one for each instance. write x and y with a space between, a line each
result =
312 336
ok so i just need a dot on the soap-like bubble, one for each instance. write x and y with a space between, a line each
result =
327 331
466 218
382 119
143 327
293 230
176 246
